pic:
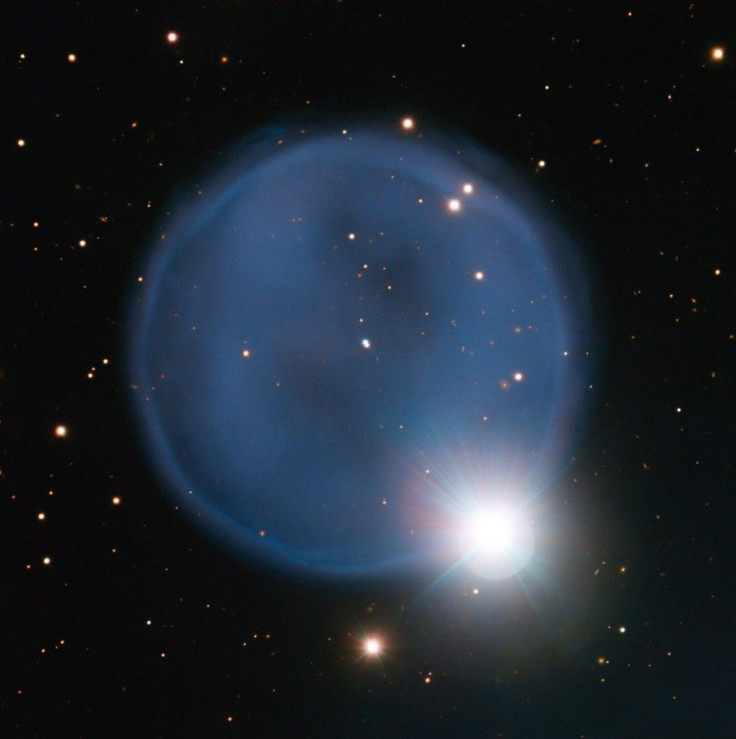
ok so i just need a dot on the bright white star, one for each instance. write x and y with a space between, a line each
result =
495 542
372 647
492 531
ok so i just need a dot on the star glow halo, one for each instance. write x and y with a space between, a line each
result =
479 515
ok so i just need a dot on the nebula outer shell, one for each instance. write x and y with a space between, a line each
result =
334 315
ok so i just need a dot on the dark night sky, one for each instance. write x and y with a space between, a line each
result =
120 617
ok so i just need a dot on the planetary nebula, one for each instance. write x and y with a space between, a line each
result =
349 340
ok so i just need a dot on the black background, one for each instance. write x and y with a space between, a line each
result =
636 123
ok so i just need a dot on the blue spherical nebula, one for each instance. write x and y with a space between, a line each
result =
349 340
